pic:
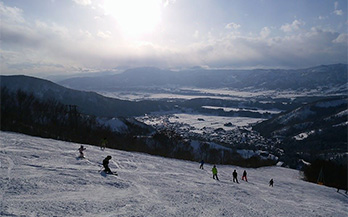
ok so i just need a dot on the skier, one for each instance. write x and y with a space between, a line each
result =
235 176
106 165
103 143
201 166
81 149
271 182
214 170
244 177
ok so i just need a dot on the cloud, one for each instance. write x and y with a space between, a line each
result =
11 14
38 47
337 11
166 3
34 47
342 38
232 26
265 32
104 35
83 2
305 49
19 36
294 26
196 34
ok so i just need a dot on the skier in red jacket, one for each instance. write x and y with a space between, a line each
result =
244 177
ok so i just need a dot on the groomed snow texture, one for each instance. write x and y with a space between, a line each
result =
44 177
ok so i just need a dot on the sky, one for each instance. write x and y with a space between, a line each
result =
62 37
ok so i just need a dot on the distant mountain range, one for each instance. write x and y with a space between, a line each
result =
87 102
314 128
91 103
329 79
321 77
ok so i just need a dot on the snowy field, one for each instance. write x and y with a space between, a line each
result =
43 177
194 93
200 121
228 109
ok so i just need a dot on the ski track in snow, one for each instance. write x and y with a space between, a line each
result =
45 177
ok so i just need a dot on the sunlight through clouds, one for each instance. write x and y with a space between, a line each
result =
83 2
103 34
134 17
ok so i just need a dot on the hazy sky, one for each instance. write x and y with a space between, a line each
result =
47 37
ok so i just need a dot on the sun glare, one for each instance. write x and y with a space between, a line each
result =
134 17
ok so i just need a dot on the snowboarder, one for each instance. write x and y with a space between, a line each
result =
106 165
81 149
271 182
235 175
201 166
244 177
103 143
214 170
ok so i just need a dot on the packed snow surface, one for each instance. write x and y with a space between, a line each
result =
256 110
44 177
194 93
200 121
115 124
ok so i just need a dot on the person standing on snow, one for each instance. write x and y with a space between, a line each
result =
103 143
81 149
234 174
271 183
201 166
106 165
244 177
214 170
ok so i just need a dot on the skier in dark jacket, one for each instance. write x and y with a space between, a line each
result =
201 166
106 165
234 174
271 183
81 149
244 177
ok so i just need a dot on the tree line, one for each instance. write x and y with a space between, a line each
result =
328 173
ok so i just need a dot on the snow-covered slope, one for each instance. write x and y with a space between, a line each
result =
43 177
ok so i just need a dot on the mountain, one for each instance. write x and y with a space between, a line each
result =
317 129
87 102
44 177
325 77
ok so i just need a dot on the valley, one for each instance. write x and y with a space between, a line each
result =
235 110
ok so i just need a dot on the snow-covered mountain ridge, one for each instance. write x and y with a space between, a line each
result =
314 130
87 102
319 133
324 77
324 113
43 177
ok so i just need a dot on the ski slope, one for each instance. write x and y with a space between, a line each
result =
43 177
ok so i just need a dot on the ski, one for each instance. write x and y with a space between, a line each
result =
113 173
